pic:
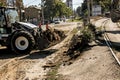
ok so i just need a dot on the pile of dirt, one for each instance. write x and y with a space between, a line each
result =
81 40
50 37
54 36
78 42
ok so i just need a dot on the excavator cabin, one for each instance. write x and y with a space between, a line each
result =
8 16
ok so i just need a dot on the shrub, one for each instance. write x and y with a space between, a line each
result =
87 35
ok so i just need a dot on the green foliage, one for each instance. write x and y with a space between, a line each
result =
52 74
60 8
74 31
55 8
88 35
84 8
2 4
105 4
81 40
68 11
78 11
49 8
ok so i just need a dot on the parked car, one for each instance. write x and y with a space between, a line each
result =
57 21
107 14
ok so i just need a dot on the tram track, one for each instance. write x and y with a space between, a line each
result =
108 42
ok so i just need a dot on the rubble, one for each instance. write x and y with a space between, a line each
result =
80 41
50 37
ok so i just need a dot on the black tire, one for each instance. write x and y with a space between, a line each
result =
9 41
22 42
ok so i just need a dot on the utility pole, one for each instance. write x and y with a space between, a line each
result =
88 6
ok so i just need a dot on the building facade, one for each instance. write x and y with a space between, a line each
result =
69 3
33 14
96 10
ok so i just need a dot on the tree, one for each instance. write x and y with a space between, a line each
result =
63 9
106 4
68 12
84 8
2 3
78 11
48 7
19 5
55 8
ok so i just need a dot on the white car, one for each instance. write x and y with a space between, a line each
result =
57 21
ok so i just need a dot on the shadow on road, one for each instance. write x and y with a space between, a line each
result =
115 45
40 54
114 32
8 54
102 42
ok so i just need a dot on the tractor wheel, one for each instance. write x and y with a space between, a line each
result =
9 41
22 42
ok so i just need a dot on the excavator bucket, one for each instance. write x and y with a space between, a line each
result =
50 37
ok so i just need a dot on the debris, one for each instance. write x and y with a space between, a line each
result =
80 41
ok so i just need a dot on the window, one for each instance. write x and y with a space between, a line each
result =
12 15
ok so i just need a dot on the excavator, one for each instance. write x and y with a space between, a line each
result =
115 10
21 37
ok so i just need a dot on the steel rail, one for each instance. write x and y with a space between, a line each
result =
109 44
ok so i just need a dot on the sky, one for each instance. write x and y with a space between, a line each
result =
76 3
